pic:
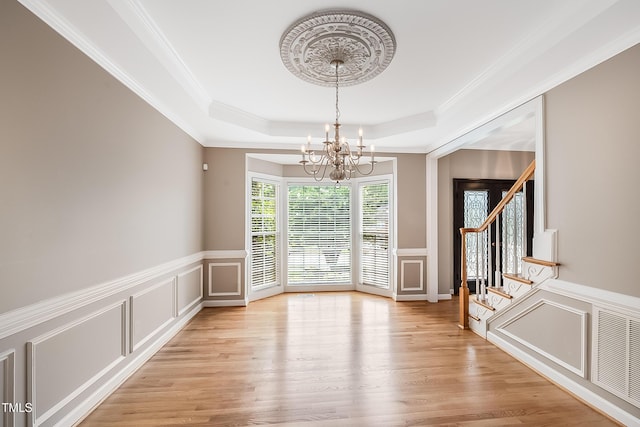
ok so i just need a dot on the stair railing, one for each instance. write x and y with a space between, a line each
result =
483 247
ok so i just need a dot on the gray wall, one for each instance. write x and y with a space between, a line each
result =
592 152
224 200
95 184
411 198
470 164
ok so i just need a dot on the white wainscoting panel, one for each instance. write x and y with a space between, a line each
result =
7 385
84 340
151 310
40 312
62 363
411 268
189 288
226 280
553 330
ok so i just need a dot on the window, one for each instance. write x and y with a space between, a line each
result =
512 234
319 234
264 234
374 234
476 209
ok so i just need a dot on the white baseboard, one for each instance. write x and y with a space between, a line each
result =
258 294
374 290
442 297
90 403
419 297
573 387
225 303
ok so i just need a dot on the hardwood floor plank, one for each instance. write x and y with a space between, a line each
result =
336 359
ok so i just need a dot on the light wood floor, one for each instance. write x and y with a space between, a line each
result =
336 359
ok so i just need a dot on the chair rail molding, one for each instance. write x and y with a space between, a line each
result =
225 254
23 318
626 304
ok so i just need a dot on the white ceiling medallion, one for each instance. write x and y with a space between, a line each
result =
363 43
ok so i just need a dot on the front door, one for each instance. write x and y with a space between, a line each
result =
473 200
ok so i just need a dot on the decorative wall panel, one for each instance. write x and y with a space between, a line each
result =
7 386
225 279
64 362
411 275
189 288
151 310
553 330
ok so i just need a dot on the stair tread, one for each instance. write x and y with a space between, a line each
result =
533 260
500 292
483 304
517 278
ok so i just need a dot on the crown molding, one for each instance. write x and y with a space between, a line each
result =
134 14
244 119
402 125
534 44
51 17
136 17
523 73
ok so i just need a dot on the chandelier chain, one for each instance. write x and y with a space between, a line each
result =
337 107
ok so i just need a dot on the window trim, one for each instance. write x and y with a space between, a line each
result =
360 286
276 287
283 182
359 223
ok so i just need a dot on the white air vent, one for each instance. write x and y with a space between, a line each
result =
616 354
634 360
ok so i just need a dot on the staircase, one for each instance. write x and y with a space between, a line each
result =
502 281
514 287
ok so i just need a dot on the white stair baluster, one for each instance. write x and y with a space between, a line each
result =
524 223
498 254
477 268
515 236
489 257
482 271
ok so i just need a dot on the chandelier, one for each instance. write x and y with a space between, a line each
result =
322 48
337 155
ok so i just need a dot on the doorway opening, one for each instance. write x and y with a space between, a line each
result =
473 200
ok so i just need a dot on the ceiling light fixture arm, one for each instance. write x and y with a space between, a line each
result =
336 154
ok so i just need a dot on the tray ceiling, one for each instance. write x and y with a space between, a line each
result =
214 67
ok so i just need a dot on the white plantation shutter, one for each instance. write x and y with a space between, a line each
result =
264 234
374 234
319 240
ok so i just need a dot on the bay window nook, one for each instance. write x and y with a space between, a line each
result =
308 236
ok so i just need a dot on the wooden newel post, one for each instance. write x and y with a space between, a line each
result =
463 322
